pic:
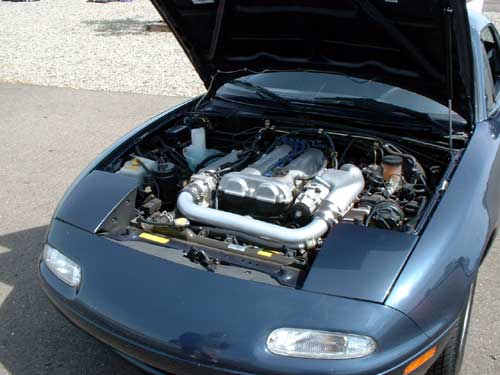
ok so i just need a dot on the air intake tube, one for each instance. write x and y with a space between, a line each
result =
345 185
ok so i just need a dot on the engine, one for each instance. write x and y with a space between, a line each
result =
288 181
279 190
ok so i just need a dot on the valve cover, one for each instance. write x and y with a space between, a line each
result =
270 185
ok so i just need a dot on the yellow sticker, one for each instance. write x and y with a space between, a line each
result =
152 237
265 253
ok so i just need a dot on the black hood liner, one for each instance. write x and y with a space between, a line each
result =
400 42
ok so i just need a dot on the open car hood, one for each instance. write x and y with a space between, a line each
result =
400 42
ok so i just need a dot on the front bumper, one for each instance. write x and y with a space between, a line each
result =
179 320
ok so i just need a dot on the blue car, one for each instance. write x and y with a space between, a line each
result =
322 209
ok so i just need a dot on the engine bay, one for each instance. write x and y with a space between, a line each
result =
264 195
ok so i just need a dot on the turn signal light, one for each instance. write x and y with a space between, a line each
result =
420 361
63 267
305 343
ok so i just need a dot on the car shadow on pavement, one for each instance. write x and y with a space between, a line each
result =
118 27
34 337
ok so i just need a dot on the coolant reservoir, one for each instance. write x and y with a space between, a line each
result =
135 168
197 152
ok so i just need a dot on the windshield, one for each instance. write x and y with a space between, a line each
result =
309 86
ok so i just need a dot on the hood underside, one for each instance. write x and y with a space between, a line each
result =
400 42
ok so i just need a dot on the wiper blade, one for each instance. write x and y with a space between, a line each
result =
262 92
381 108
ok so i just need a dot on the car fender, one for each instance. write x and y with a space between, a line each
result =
432 288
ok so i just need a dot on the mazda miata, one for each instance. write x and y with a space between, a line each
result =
323 208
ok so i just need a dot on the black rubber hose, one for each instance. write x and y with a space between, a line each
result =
155 182
423 203
346 150
208 159
235 165
175 155
324 133
138 151
178 155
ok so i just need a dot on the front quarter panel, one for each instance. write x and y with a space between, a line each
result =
433 287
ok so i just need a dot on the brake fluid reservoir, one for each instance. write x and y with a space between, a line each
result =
393 168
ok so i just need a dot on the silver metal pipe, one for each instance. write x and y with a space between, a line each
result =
345 183
227 220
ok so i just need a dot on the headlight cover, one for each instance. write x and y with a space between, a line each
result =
306 343
63 267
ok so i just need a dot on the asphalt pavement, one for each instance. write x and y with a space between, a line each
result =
47 135
492 6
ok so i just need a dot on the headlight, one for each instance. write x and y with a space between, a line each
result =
305 343
63 267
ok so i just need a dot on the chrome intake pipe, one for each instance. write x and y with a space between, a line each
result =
345 185
227 220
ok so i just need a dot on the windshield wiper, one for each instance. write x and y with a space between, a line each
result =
381 108
262 92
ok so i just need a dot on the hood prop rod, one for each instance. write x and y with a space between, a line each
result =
449 73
